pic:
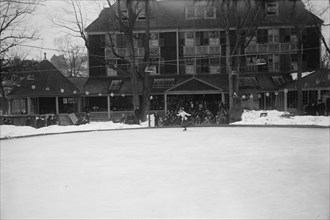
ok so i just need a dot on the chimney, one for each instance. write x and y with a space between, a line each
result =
45 58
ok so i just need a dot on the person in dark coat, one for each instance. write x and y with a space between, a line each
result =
50 120
28 122
39 122
137 113
321 108
156 119
327 105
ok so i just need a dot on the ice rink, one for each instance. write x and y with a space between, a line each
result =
210 172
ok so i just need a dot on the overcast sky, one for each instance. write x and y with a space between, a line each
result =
48 32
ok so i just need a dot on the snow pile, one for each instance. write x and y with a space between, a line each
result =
248 118
15 131
275 117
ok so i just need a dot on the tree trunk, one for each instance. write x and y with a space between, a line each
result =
146 85
229 70
299 73
4 100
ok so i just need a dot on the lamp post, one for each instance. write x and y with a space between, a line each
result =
149 111
109 104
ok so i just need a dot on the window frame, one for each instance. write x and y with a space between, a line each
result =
272 8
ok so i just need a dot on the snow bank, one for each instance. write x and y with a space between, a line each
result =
248 118
275 117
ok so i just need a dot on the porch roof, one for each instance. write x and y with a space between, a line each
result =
320 79
47 81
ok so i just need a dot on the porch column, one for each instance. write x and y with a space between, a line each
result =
79 104
28 105
285 100
318 95
108 100
165 100
9 107
177 53
57 106
223 99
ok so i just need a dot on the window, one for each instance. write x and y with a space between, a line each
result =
154 40
115 85
278 80
189 51
141 14
111 67
202 38
190 12
121 41
251 63
163 83
189 39
248 81
154 52
285 35
203 65
273 63
155 64
214 65
210 13
214 38
18 106
190 65
294 61
273 35
194 12
272 8
69 101
262 36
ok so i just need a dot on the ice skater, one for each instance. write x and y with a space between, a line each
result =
184 119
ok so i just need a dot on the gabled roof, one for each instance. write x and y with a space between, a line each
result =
47 82
170 14
79 82
194 84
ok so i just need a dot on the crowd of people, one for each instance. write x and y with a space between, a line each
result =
198 116
321 108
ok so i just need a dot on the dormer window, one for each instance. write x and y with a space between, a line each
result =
142 14
209 13
272 8
190 12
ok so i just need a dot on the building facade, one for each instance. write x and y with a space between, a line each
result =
187 45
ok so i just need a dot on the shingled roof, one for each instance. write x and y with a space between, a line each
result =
320 79
170 14
47 81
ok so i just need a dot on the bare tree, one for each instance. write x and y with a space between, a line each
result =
239 18
301 28
14 30
324 12
73 19
126 25
73 57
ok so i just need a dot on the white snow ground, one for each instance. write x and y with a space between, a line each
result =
204 173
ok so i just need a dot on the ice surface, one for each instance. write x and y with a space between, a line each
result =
204 173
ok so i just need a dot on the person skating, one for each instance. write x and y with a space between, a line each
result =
184 119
